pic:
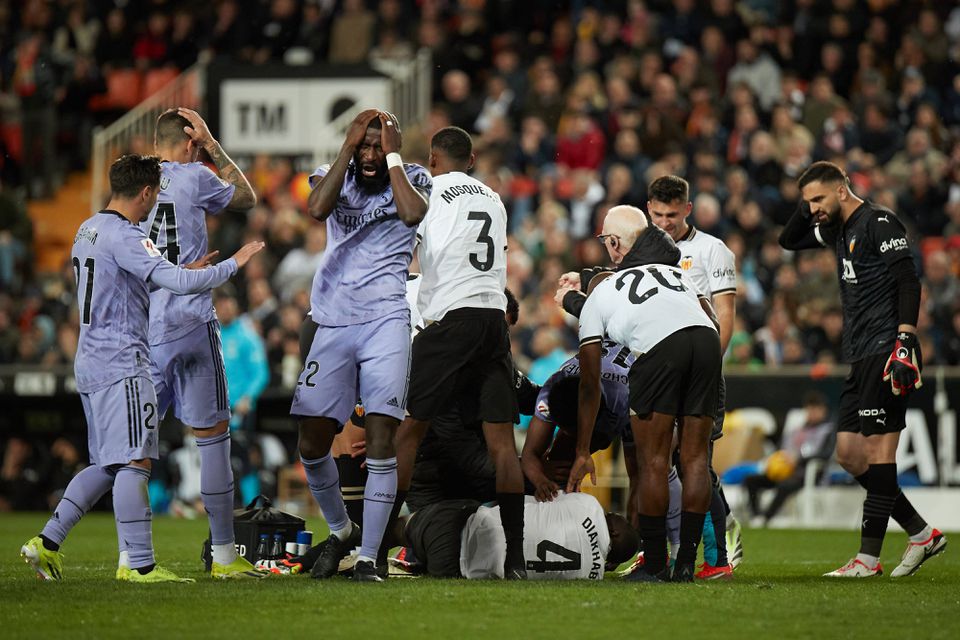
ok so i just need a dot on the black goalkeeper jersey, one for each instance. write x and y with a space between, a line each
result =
867 244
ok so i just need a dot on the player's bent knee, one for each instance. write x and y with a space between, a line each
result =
144 463
208 432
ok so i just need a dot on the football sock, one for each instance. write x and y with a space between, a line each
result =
867 559
653 535
324 484
908 518
864 479
511 517
877 507
131 507
673 510
378 499
718 517
353 478
84 490
216 492
124 560
391 523
691 527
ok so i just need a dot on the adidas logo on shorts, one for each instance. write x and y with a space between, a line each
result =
392 402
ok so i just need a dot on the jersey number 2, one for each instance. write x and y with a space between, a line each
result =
89 264
571 559
634 296
167 216
483 238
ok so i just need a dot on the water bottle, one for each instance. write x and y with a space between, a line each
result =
276 550
304 540
263 550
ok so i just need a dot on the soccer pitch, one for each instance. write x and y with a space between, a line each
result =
777 592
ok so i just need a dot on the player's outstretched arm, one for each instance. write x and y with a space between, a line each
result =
590 356
535 447
411 204
181 280
243 196
323 198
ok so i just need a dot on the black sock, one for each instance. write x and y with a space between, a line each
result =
906 516
353 479
881 495
145 570
718 517
49 544
864 479
511 516
723 499
653 536
691 528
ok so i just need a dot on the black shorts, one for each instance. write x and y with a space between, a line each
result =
867 403
680 376
465 360
434 532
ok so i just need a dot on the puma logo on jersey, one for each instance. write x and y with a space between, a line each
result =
894 244
883 219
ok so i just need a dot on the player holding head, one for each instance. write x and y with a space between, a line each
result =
184 332
710 265
654 310
116 264
463 354
880 293
371 203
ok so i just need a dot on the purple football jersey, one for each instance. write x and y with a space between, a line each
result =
614 385
363 274
178 228
113 261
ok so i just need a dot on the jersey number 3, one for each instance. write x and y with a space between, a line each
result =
483 238
167 216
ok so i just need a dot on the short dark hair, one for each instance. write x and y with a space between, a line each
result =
453 141
624 539
513 307
822 171
564 401
669 189
129 174
170 126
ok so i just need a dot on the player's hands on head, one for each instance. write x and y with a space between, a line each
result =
390 139
246 252
198 130
357 130
582 466
205 261
903 366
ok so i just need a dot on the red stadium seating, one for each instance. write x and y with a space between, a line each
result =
156 79
123 91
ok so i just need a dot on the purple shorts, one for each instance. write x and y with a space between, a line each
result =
122 422
369 360
189 375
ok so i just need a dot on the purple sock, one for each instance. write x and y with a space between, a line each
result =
324 483
81 494
131 507
378 499
216 486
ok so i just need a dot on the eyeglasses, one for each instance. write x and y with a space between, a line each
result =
603 237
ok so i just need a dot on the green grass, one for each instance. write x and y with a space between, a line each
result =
777 592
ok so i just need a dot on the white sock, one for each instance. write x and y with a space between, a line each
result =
366 559
224 553
870 561
124 560
923 536
343 534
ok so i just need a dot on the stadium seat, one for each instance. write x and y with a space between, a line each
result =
123 91
156 79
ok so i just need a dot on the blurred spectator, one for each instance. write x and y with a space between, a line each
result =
298 267
244 360
22 477
352 34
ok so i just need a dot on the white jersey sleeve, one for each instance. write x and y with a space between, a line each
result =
413 291
463 243
566 539
640 306
708 263
723 270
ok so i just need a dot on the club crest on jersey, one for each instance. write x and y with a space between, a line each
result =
543 408
853 243
152 250
686 263
164 182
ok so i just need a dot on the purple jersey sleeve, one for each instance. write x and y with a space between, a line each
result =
135 253
213 193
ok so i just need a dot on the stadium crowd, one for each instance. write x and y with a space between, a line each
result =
574 109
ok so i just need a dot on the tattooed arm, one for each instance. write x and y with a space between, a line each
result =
243 196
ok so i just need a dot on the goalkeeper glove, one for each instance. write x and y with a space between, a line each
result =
903 365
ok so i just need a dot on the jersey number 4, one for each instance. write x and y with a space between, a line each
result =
571 559
637 275
167 217
483 238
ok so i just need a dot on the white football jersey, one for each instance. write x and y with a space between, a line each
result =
413 291
708 263
640 306
463 248
566 539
